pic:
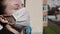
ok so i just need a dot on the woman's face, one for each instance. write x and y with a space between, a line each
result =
12 6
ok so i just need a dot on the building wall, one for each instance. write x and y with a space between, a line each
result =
35 9
45 13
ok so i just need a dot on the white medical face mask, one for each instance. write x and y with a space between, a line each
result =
22 17
19 13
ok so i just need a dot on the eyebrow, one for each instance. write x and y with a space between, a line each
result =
7 16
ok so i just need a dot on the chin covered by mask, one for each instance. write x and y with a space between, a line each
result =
22 18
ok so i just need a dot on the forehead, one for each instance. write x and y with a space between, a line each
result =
12 1
9 2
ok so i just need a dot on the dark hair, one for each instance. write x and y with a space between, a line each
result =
2 7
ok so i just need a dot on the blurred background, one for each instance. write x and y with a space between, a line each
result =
51 16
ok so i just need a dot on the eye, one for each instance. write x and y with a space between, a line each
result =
15 6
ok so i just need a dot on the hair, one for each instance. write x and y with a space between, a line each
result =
2 7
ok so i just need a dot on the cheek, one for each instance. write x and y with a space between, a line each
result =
11 6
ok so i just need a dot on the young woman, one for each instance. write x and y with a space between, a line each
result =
13 7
